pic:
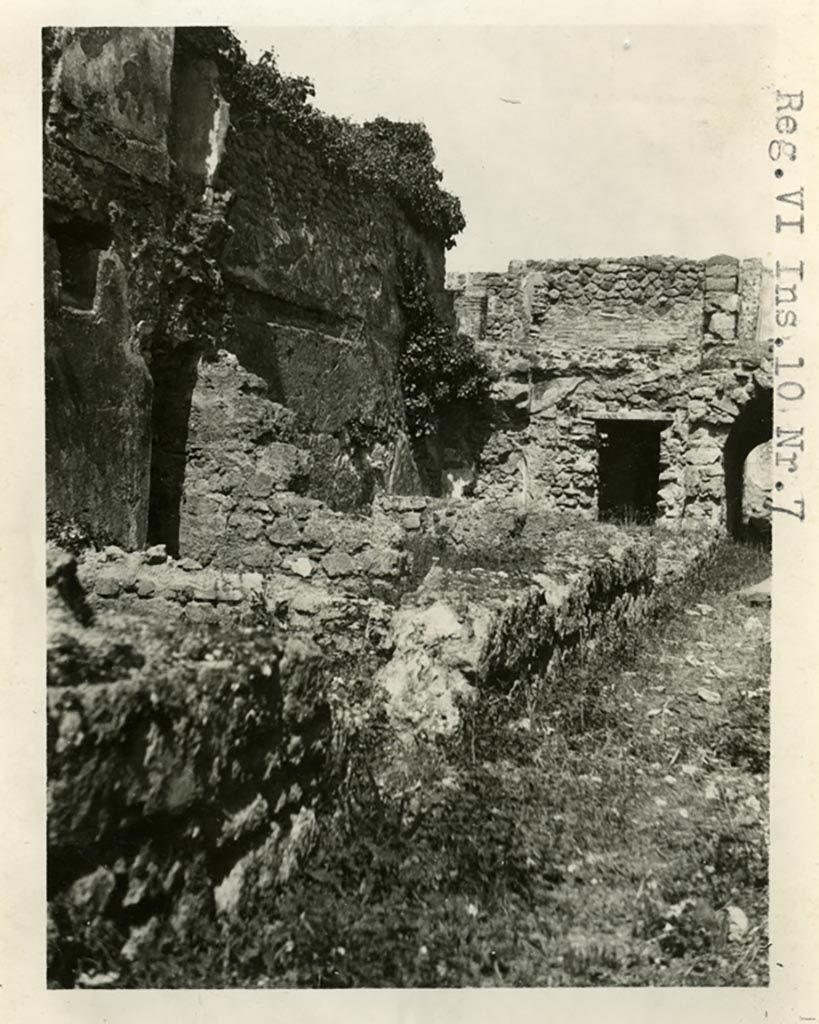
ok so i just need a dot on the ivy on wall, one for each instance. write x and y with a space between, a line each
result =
394 157
198 309
437 367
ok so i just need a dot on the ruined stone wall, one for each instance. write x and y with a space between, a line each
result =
578 344
181 766
207 274
757 484
106 172
304 396
189 765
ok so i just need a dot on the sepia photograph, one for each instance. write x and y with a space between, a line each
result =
420 406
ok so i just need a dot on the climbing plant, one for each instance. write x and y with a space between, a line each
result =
437 366
388 156
197 309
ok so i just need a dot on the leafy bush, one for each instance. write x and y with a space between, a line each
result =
381 155
437 367
73 534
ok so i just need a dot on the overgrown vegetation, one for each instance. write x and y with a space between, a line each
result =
438 367
73 533
593 833
387 156
197 312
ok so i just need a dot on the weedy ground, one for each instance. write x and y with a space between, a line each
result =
610 829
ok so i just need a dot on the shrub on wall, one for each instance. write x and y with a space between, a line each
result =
382 155
437 367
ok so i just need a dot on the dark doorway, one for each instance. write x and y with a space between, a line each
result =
174 373
628 470
753 426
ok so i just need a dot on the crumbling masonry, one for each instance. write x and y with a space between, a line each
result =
642 351
224 417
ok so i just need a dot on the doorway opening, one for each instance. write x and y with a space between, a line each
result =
752 427
174 373
628 470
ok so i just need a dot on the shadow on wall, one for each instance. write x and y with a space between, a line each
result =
79 243
174 373
192 119
752 427
449 459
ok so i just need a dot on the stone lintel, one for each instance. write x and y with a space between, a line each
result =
630 414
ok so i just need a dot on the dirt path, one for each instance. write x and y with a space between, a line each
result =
677 893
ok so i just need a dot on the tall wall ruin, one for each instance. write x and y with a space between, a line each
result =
222 319
224 417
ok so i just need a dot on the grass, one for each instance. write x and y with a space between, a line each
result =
610 830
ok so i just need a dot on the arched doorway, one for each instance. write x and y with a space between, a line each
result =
752 427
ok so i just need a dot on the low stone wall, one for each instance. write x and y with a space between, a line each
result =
191 751
297 539
343 613
563 589
182 767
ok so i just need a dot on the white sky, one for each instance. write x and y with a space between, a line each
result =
655 148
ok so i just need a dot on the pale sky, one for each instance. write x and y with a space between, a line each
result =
611 150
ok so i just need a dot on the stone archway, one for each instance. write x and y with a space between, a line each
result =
752 427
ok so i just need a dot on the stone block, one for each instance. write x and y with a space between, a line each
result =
301 567
382 562
310 602
155 555
318 534
107 586
720 260
257 556
284 532
723 325
727 302
722 285
91 894
260 485
703 456
338 564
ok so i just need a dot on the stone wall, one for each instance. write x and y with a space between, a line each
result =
197 718
579 345
203 269
311 271
181 765
106 171
562 591
758 483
